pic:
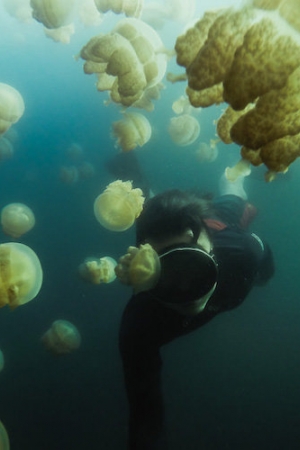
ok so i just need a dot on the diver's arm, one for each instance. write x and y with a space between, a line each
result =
139 268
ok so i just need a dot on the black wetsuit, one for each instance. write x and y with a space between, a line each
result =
243 261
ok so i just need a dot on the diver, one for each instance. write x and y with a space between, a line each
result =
194 258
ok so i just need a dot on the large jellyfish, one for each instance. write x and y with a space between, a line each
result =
17 219
4 440
61 338
132 131
118 206
53 13
98 270
11 106
250 58
131 8
184 129
21 274
127 61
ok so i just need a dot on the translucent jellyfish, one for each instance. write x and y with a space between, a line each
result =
182 105
119 205
1 365
181 10
53 13
134 130
61 34
20 9
207 152
131 8
69 174
184 129
6 149
61 338
21 274
98 270
4 440
17 219
11 106
127 61
75 151
86 170
88 13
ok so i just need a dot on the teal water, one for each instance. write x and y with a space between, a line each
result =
233 384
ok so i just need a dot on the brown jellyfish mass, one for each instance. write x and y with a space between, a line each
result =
249 58
127 61
98 270
61 338
21 274
119 205
11 106
17 219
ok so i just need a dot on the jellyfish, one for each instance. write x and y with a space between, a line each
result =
89 14
1 365
207 152
184 129
21 274
61 34
98 270
61 338
69 174
241 169
132 131
4 440
127 61
11 106
75 151
131 8
17 219
20 9
86 170
181 10
53 13
119 205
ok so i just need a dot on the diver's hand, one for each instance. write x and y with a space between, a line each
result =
139 268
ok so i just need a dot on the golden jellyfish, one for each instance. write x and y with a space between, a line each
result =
21 274
61 34
180 10
17 219
6 149
53 13
1 364
131 8
181 105
62 338
98 270
4 440
184 129
134 130
89 14
119 205
207 152
20 9
11 106
69 174
127 61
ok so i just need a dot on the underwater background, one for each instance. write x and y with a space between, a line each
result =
234 384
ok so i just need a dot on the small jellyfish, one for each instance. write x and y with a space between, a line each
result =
1 365
207 152
17 219
61 338
184 129
98 270
4 440
21 274
69 174
134 130
118 206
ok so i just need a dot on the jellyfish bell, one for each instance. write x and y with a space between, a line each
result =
62 338
17 219
4 440
119 205
21 274
206 152
53 13
132 131
11 106
98 270
184 129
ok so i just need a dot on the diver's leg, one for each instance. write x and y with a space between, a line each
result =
140 352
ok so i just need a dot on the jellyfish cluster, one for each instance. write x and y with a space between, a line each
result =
98 270
250 59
